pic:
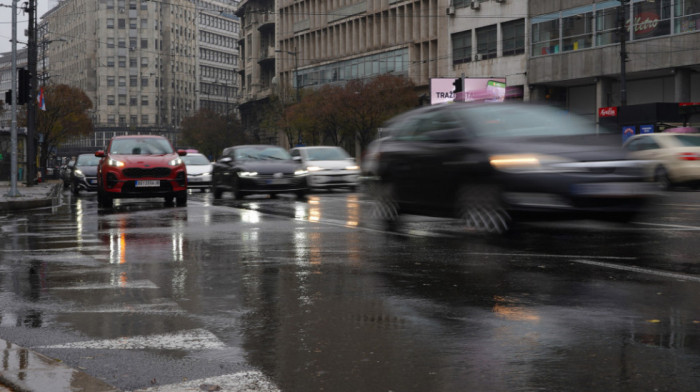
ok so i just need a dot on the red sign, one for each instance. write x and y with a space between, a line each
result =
688 104
610 111
644 23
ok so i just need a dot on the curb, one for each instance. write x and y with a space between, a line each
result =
24 370
50 199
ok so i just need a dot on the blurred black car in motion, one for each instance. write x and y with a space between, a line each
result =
258 169
492 164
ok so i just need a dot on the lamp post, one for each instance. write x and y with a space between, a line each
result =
296 70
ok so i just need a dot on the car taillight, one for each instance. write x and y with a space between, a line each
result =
689 156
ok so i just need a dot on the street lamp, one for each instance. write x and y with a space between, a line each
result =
296 69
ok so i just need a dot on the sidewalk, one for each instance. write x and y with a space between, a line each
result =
41 195
23 370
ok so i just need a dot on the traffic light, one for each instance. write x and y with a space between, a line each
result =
23 95
458 85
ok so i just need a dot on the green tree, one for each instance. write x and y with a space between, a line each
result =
66 116
210 132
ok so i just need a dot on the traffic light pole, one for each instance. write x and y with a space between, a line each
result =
13 131
31 101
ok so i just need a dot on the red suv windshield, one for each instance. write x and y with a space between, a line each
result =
140 146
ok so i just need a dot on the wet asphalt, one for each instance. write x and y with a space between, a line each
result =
314 295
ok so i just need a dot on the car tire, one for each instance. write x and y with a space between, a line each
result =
662 179
181 199
104 200
235 189
302 194
480 207
386 207
217 192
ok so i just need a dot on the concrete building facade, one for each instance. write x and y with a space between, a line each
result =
575 54
145 65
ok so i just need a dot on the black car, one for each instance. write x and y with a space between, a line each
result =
492 163
83 173
258 169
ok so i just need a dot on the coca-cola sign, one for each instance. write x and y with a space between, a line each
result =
644 23
610 111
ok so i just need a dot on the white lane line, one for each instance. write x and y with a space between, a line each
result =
670 275
197 339
238 382
131 284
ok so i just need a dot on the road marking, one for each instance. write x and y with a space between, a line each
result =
197 339
671 275
243 381
135 284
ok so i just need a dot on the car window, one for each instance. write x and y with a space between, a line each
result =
295 153
507 121
196 160
140 146
87 160
326 154
265 153
688 140
642 143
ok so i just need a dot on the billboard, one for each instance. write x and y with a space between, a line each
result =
442 90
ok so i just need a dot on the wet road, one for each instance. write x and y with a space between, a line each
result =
282 294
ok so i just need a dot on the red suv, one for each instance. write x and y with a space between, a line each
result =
141 166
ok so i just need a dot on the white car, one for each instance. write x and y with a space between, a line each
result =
328 166
198 171
674 157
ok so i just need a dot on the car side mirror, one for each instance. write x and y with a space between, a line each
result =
226 160
100 153
181 153
296 159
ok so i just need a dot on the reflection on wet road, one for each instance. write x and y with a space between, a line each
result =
310 295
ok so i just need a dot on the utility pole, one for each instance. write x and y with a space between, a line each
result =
31 101
623 51
13 127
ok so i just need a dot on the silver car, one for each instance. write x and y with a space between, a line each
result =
328 166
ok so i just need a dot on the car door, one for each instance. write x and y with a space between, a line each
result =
415 160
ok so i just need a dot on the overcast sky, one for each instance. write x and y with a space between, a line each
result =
22 18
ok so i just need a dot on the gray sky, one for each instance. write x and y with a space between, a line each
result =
22 18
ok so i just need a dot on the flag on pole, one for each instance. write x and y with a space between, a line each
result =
40 99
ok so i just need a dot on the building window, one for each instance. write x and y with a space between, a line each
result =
133 120
110 43
144 81
133 62
110 100
122 100
144 61
122 43
122 81
121 23
462 47
687 16
606 26
144 44
144 100
577 31
122 120
513 37
110 81
110 23
144 119
110 61
111 119
486 42
545 35
133 81
133 23
122 61
652 18
133 101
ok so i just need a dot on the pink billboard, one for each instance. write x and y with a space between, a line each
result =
442 90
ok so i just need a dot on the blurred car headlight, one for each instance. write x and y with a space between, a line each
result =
79 173
353 167
314 168
299 173
115 163
531 163
248 174
175 162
